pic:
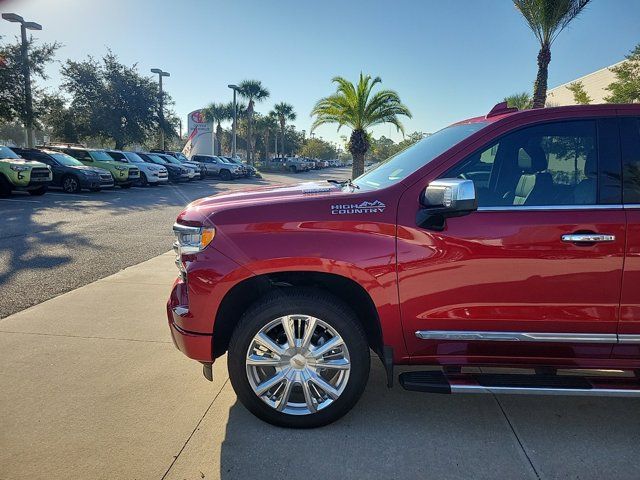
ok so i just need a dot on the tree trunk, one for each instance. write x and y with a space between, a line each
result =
540 87
250 133
358 165
218 140
358 147
119 144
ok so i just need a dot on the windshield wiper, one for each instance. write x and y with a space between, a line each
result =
344 183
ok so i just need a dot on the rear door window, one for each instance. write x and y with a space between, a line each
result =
630 140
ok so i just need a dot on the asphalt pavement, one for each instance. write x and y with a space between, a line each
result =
58 242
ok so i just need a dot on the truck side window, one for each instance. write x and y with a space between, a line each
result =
630 138
542 165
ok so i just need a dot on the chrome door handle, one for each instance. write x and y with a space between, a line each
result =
588 237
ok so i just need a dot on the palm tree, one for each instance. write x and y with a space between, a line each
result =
265 124
252 91
284 112
356 107
547 18
218 112
522 100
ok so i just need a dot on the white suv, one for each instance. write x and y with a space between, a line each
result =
150 174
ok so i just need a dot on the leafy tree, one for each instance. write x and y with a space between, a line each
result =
252 91
318 148
547 18
580 95
357 107
59 121
284 112
13 107
522 100
218 113
112 101
626 88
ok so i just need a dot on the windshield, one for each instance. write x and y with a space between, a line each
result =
100 156
6 152
156 159
225 160
404 163
65 159
181 157
134 157
170 159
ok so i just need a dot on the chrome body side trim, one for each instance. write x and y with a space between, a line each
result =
628 338
592 392
588 237
456 335
538 208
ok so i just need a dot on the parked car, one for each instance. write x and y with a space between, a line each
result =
536 268
291 164
21 174
199 167
176 173
193 169
220 166
250 170
150 174
123 175
68 173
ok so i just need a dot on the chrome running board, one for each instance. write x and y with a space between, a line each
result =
488 336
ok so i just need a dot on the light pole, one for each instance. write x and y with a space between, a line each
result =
24 26
161 99
235 89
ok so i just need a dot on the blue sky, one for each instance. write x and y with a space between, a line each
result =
447 59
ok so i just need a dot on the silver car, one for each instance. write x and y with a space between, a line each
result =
220 166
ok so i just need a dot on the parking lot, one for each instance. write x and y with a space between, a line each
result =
55 243
92 387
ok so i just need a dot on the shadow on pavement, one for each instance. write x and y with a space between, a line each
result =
407 435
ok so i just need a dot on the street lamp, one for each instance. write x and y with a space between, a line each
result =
24 26
161 99
235 89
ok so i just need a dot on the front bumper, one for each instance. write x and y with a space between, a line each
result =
194 345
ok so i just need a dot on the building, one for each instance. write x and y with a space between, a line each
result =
594 84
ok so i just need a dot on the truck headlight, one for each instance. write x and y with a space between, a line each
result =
192 239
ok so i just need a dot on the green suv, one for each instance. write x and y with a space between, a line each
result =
124 175
19 174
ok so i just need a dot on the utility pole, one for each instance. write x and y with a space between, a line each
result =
28 99
161 101
235 89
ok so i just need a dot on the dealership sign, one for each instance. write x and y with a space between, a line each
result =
200 133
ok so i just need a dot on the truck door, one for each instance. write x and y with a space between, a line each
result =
536 272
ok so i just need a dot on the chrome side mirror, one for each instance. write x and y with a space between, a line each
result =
444 198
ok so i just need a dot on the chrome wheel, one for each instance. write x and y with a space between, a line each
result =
298 364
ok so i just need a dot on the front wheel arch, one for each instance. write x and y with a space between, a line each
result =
237 300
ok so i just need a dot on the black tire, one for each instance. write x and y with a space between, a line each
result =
144 181
323 306
225 175
293 169
5 186
38 191
71 184
203 174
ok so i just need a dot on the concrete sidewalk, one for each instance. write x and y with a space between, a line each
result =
91 387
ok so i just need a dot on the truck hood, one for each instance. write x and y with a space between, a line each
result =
269 194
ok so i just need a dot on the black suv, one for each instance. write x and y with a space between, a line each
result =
68 173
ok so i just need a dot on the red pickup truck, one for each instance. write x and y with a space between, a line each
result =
508 240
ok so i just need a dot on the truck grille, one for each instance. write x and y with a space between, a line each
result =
39 172
163 175
134 173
